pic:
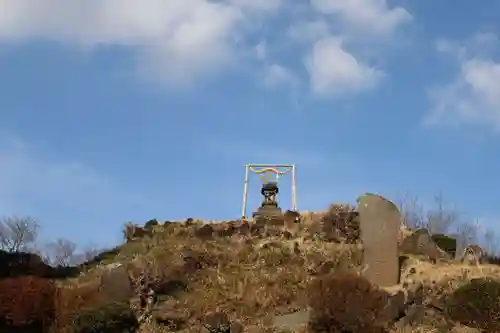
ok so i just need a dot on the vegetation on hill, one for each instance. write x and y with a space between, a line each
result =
241 275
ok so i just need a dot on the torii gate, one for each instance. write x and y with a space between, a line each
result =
266 170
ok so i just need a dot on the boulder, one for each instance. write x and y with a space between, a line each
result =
419 242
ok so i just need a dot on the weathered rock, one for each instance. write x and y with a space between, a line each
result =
291 321
399 301
172 319
151 223
380 225
204 232
236 327
291 217
446 243
418 315
217 322
420 242
473 255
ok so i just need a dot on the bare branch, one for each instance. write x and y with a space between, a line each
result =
442 217
438 220
17 233
466 234
91 253
491 242
412 211
62 252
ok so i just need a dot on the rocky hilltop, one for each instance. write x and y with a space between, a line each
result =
302 273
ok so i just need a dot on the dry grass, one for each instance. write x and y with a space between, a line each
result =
201 268
247 277
253 273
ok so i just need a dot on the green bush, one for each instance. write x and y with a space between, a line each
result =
446 243
476 304
113 318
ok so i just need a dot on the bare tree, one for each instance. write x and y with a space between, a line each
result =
17 233
491 242
466 234
412 211
441 217
90 253
438 219
86 255
62 252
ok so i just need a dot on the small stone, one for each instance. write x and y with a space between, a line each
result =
217 322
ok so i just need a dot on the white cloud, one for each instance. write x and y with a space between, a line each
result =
257 4
178 39
261 51
473 96
481 44
277 76
309 31
333 70
372 17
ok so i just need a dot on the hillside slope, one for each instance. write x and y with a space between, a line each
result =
267 277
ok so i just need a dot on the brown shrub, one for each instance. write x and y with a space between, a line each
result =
224 229
113 317
204 232
244 228
476 304
492 259
341 223
86 307
291 216
84 298
128 231
22 263
131 231
72 299
344 302
27 301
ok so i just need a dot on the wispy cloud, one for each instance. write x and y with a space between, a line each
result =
473 95
373 17
179 42
335 71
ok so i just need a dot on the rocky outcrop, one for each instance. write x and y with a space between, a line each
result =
419 242
473 254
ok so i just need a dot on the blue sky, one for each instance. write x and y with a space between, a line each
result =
118 110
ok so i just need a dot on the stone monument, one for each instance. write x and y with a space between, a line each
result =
269 206
380 222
